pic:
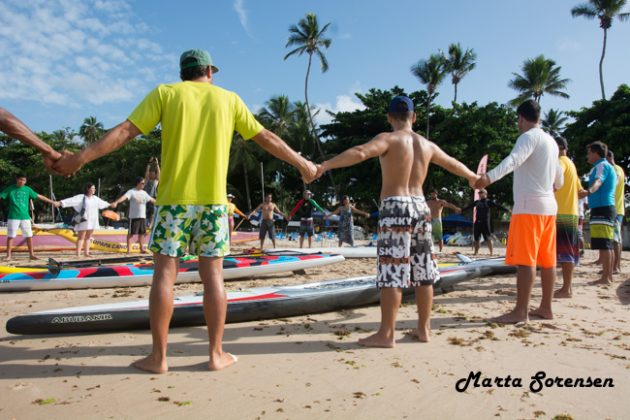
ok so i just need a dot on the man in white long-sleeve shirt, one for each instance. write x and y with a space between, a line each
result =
532 235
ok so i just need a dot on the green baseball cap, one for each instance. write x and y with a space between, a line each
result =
194 58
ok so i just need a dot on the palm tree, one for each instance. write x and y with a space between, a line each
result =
540 76
431 72
554 120
309 39
605 11
459 63
91 130
278 115
242 155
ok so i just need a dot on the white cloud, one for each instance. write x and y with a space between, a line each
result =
343 103
568 46
239 7
73 53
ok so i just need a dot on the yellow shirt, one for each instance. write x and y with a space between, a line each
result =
198 122
619 190
567 195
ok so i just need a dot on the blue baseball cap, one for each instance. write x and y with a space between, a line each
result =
401 104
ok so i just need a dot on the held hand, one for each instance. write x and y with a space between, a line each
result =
57 204
458 210
49 160
583 193
308 172
321 169
68 164
113 204
482 182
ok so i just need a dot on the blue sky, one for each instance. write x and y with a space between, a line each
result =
64 60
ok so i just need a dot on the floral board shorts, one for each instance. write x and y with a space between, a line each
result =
202 229
405 246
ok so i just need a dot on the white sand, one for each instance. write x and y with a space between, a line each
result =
310 366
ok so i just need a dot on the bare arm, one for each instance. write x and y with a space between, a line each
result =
356 210
451 206
46 199
254 211
157 169
590 190
357 154
273 144
113 140
451 164
15 128
277 210
119 200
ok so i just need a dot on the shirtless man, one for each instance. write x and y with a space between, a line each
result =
405 247
436 205
267 208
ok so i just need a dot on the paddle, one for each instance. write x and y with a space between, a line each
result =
111 215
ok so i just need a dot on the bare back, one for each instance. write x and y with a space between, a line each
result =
405 164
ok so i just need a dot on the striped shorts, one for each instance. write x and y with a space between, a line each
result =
567 239
602 224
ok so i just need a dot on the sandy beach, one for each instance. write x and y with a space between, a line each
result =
311 366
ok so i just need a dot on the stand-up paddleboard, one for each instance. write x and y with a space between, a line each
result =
246 305
141 274
346 251
496 264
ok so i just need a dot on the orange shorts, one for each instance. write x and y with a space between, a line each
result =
531 241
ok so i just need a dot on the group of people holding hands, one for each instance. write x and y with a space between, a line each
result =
192 206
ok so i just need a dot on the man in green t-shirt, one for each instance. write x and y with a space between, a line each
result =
19 196
198 121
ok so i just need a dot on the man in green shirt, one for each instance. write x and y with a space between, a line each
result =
198 121
19 196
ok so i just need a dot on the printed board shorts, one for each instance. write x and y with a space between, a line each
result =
405 245
307 227
24 225
267 228
567 239
203 229
531 241
138 227
481 229
617 233
602 224
436 233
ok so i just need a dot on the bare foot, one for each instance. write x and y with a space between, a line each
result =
541 313
376 340
221 362
510 318
562 294
423 337
88 255
33 257
601 282
8 259
151 364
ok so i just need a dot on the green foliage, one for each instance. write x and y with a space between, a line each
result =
540 75
605 120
